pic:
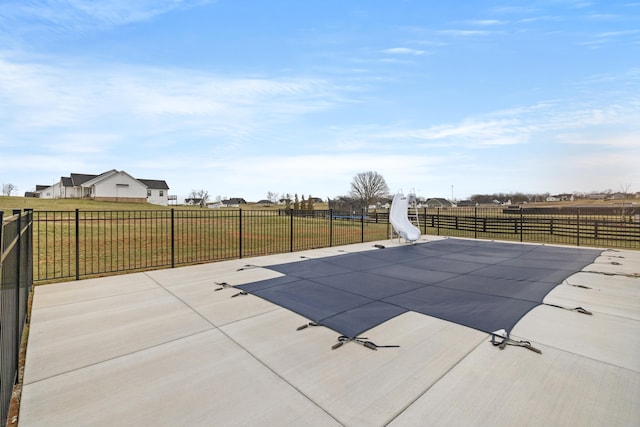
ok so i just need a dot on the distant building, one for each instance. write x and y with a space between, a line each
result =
233 202
193 201
438 202
110 186
596 196
560 198
619 196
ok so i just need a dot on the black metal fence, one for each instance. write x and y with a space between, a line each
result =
16 279
598 227
80 244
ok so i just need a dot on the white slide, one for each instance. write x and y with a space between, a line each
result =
399 218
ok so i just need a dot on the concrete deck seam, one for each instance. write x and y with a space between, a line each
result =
564 350
118 356
93 299
256 358
276 308
485 339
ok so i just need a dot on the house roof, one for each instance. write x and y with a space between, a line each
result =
103 176
155 184
439 200
78 179
234 200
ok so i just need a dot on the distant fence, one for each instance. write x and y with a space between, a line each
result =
80 244
16 278
599 227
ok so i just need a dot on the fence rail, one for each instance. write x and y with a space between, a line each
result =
581 227
80 244
16 279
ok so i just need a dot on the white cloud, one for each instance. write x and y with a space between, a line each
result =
404 51
486 22
552 121
466 33
81 15
135 100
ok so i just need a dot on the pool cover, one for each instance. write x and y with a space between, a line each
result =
481 284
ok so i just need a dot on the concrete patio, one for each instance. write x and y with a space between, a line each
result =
171 348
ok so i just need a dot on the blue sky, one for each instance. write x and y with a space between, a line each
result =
246 97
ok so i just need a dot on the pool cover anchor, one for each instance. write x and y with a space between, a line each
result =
306 325
223 285
577 309
506 340
342 339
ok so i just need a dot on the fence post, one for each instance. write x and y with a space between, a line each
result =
77 244
240 233
173 238
291 230
475 222
17 330
438 221
425 221
521 223
331 227
577 226
362 225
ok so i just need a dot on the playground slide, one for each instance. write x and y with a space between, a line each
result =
399 218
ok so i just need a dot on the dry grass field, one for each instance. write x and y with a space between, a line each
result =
107 238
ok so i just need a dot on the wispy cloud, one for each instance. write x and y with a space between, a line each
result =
550 122
486 22
145 102
465 33
79 15
404 51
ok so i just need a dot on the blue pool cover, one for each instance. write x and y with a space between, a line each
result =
481 284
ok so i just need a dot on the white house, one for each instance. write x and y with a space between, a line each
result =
157 191
112 186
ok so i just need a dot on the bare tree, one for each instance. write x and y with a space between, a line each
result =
203 195
368 187
7 189
272 197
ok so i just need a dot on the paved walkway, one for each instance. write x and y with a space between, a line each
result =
171 348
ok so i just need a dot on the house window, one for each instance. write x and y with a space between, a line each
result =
148 193
161 193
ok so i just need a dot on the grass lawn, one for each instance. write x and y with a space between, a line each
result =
117 237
